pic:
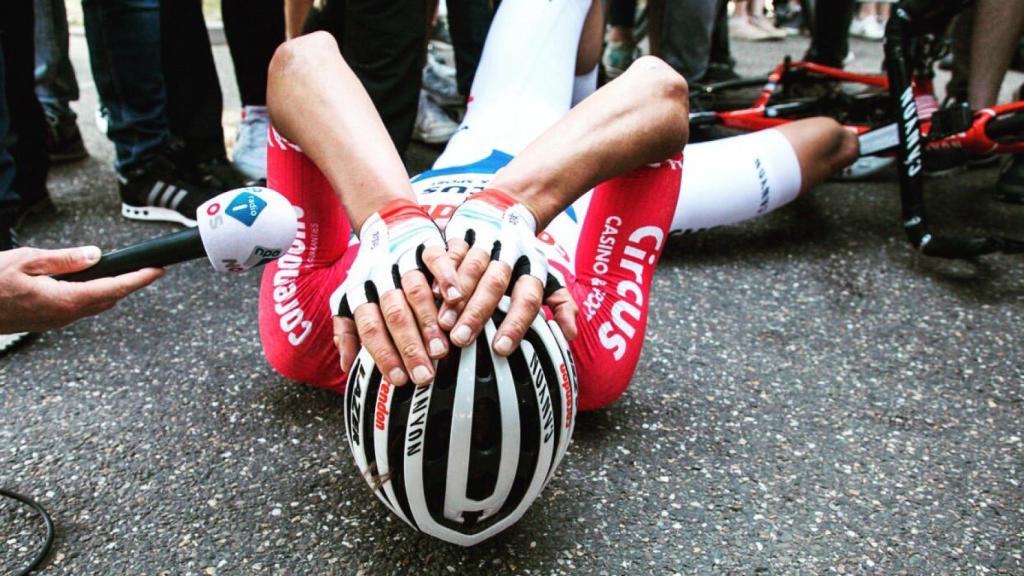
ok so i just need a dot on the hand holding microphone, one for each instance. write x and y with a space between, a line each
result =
237 230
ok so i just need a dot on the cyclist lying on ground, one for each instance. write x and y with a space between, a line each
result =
603 183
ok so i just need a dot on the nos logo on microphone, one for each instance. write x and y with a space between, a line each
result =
246 207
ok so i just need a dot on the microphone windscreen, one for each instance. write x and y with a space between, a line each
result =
246 228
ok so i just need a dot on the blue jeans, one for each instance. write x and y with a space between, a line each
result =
124 51
23 126
56 85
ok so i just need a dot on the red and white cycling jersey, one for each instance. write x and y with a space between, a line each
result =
442 191
606 246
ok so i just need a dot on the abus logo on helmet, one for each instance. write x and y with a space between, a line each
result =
383 395
615 332
417 421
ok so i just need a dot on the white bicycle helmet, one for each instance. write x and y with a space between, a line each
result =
463 458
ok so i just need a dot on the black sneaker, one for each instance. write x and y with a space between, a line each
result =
156 192
1010 186
64 140
719 72
213 172
220 174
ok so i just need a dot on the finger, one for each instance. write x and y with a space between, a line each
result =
346 340
48 262
405 334
565 310
441 267
482 303
421 300
471 269
83 295
457 249
526 300
373 333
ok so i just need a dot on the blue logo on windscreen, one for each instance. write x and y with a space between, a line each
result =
246 207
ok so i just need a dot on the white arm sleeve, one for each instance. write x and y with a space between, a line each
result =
583 86
735 179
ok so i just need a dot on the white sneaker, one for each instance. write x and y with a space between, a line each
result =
867 28
864 167
873 29
8 341
439 83
250 155
768 27
740 28
433 126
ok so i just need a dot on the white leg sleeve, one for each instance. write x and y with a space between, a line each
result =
524 82
735 179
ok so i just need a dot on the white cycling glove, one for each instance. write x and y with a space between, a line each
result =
494 222
391 243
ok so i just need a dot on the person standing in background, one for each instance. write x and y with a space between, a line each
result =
24 161
154 71
385 43
195 104
254 29
830 40
56 85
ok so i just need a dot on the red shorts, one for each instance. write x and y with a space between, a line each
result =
621 238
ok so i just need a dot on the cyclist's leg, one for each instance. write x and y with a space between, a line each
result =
523 84
736 179
621 239
295 322
997 29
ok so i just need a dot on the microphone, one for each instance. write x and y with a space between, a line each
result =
237 230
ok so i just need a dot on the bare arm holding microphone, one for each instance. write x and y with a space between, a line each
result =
31 301
237 230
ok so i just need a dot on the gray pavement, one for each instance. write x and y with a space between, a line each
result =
813 398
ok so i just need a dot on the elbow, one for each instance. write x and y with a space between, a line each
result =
669 101
292 61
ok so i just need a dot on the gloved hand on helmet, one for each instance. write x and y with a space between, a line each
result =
386 300
493 240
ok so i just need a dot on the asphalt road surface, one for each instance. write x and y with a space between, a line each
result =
813 398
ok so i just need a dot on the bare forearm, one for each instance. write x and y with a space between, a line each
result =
639 118
316 101
295 12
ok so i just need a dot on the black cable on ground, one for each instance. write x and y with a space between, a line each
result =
47 521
